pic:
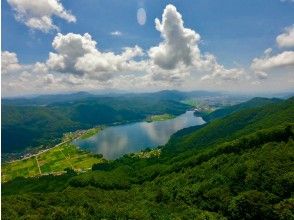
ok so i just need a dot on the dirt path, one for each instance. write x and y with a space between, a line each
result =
40 152
43 151
38 165
66 159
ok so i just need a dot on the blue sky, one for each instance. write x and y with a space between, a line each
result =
235 32
225 26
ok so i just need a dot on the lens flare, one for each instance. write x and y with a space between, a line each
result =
141 16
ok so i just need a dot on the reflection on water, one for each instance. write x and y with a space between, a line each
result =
115 141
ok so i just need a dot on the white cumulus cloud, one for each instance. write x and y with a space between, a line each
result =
179 55
282 62
286 39
284 59
77 54
9 62
37 14
179 45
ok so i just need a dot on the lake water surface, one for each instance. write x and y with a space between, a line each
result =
116 141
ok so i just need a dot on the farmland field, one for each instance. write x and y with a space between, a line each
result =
161 117
52 161
27 167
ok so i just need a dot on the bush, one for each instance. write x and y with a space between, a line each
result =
251 205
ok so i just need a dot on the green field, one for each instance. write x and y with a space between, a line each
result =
52 161
27 167
90 132
161 117
81 134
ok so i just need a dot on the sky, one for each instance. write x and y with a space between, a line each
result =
53 46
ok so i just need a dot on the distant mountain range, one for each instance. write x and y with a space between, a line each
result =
57 98
164 94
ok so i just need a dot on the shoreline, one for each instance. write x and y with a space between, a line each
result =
41 151
101 127
70 137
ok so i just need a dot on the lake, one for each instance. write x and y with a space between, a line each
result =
115 141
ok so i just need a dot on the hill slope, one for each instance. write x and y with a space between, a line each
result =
239 123
253 103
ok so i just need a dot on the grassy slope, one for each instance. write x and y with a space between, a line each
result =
250 174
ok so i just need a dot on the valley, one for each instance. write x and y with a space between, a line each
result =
40 122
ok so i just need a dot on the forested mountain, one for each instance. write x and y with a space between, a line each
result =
236 167
255 102
34 125
236 124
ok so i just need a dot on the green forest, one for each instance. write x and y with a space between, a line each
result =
240 165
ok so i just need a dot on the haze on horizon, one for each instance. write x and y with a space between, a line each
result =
63 46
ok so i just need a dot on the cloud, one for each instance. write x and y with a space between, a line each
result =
9 62
38 14
268 51
178 55
284 59
220 73
179 44
261 75
77 54
217 72
68 49
286 39
282 62
77 63
174 76
116 33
